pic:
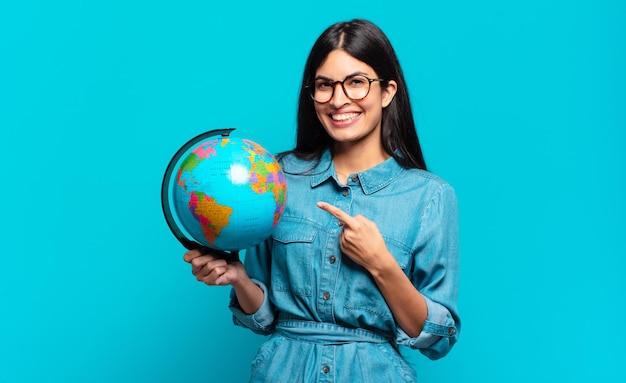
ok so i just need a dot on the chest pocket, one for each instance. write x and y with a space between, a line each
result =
293 253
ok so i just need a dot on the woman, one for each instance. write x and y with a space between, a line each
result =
365 258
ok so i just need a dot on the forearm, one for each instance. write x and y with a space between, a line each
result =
249 294
406 303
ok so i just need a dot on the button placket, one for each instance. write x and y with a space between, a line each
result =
327 365
329 262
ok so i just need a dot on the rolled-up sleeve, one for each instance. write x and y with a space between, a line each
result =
257 263
262 321
435 273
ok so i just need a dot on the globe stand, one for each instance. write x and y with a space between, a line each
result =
229 256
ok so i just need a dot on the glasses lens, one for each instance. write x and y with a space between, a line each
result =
322 90
355 87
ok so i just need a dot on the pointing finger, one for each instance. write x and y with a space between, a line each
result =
337 213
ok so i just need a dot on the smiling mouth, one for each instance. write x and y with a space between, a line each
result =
343 117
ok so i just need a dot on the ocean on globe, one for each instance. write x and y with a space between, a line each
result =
226 193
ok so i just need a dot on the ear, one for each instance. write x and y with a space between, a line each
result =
389 92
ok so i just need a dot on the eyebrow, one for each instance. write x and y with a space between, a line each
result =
350 75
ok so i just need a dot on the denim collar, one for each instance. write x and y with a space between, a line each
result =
371 180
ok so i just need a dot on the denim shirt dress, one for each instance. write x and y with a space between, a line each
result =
327 320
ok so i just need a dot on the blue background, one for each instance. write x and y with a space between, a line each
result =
520 105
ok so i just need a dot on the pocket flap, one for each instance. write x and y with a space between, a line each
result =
291 230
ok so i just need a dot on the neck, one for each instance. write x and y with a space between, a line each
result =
350 159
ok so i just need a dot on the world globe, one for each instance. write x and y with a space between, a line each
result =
223 193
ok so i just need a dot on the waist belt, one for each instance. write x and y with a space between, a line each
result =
324 333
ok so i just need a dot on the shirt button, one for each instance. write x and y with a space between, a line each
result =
450 331
345 193
332 259
325 369
326 296
354 178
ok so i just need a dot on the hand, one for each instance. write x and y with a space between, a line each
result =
212 270
360 239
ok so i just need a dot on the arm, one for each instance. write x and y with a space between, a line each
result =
257 267
434 271
406 303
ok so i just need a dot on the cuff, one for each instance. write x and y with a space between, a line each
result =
438 334
260 321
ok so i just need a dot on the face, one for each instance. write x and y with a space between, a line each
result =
345 120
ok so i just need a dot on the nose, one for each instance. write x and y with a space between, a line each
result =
339 97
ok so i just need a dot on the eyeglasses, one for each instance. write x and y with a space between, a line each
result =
355 87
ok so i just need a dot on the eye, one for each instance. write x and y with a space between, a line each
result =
323 85
356 82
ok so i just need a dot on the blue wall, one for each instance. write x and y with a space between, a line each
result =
520 105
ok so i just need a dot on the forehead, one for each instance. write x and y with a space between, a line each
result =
339 64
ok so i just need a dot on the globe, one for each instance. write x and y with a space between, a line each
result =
223 193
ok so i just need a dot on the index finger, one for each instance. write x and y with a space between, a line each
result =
336 212
191 254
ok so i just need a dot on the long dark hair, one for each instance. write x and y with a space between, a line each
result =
366 42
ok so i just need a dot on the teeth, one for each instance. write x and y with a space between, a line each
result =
343 117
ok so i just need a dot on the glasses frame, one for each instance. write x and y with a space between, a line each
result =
333 84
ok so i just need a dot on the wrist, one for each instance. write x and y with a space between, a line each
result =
386 267
241 277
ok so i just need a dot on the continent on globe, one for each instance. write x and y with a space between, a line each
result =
266 175
212 216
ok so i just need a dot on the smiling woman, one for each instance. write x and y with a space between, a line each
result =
350 280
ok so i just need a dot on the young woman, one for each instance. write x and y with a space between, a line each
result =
365 258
